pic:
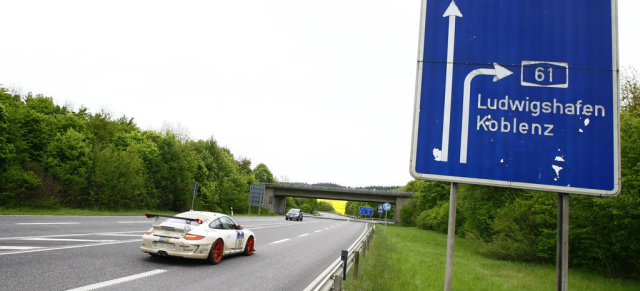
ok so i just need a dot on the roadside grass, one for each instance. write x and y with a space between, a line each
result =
408 258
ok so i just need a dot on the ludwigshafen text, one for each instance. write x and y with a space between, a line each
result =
537 107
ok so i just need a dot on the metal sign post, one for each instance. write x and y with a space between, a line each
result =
386 208
195 191
562 250
451 235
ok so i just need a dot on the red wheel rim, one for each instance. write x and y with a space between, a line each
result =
216 252
250 246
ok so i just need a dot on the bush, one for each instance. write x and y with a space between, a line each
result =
306 208
408 213
436 218
525 230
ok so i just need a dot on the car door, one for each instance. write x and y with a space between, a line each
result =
229 234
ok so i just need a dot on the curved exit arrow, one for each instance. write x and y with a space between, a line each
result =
498 72
452 12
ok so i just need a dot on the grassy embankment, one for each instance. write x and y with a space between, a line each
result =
407 258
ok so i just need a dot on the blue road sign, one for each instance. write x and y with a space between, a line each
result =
386 206
366 210
519 94
379 208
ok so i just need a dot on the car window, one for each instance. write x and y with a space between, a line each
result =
216 224
294 210
227 223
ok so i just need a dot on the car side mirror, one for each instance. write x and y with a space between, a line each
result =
240 227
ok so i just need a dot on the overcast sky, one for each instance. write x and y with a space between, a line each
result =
319 91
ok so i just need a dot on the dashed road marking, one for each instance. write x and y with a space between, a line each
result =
46 223
280 241
15 248
118 281
67 247
65 239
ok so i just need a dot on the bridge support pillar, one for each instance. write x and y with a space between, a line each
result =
275 204
400 201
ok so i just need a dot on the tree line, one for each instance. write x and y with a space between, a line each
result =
52 156
521 225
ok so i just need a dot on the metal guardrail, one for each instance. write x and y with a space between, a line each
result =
332 277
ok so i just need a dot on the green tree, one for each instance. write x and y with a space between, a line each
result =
69 160
478 207
429 198
325 206
263 175
6 150
118 181
630 92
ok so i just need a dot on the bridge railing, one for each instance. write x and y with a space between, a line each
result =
332 277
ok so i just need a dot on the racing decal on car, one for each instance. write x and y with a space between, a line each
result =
240 240
165 239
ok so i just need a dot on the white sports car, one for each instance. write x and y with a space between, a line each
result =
197 235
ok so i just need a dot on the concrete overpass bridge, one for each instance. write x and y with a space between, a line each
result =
275 196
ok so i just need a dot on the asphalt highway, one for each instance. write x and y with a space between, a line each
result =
103 253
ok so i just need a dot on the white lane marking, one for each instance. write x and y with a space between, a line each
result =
117 234
75 234
46 223
125 222
69 247
279 241
17 248
118 281
304 234
318 230
252 227
65 239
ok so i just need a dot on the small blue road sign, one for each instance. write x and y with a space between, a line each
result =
520 94
366 210
380 209
386 206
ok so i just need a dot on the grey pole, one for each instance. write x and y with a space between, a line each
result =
448 271
195 191
562 249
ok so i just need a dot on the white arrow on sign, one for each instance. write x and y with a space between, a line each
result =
498 73
452 12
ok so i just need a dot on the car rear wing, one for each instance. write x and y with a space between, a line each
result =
187 219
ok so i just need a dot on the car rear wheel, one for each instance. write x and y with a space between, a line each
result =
249 247
215 255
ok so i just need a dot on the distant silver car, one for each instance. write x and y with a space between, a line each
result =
294 214
197 235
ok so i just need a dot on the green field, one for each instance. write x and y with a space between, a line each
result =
408 258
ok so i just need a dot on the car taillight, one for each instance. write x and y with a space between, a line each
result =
190 236
150 231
